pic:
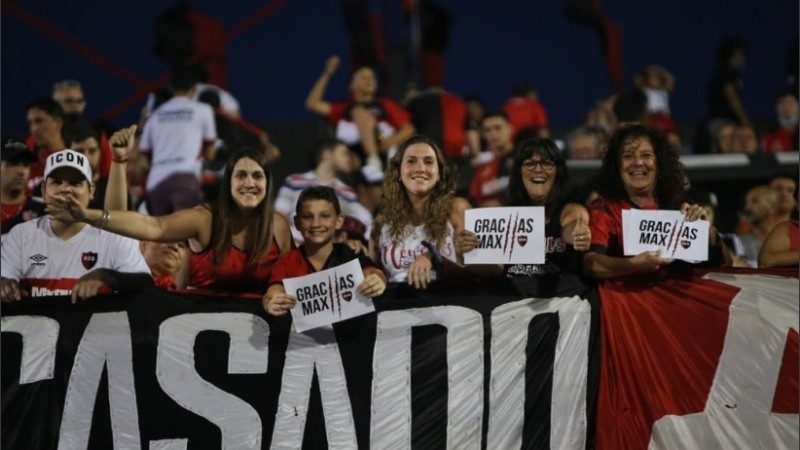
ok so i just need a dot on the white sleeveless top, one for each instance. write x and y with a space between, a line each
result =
397 255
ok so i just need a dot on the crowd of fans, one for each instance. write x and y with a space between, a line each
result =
192 183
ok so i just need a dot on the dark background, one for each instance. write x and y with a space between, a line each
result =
279 47
275 50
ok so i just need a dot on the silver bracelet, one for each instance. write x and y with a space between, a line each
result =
104 220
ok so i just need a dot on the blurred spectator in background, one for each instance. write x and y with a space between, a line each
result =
760 210
785 185
602 114
745 140
781 247
630 107
725 87
784 137
525 112
166 261
657 83
84 138
585 143
369 188
371 126
15 168
723 140
45 120
173 136
490 181
443 117
708 201
69 94
333 160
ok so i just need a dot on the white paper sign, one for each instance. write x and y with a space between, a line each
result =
328 296
667 231
510 235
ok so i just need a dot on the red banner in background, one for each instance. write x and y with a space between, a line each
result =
703 363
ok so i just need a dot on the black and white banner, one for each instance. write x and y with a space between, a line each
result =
463 367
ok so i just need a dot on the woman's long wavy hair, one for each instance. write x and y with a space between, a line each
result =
669 190
547 150
396 206
261 225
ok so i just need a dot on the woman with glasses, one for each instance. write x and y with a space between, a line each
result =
539 178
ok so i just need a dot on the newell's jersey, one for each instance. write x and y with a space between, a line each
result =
397 255
46 265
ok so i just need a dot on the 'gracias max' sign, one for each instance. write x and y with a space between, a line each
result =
328 296
667 231
508 235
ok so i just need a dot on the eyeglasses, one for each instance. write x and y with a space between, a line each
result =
530 164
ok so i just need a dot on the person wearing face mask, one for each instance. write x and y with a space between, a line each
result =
413 237
785 135
639 171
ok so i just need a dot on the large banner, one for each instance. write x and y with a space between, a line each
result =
693 363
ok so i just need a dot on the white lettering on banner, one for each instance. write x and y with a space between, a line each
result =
391 380
507 388
39 336
106 342
737 413
316 348
175 369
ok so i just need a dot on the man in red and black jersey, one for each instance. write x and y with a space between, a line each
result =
443 117
490 181
15 170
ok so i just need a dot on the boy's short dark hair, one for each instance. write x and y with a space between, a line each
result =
79 132
319 193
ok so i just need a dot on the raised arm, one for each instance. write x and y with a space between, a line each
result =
122 145
194 223
314 101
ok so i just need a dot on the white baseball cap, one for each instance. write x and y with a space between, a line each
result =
68 158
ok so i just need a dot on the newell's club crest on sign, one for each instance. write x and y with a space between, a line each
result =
513 235
668 231
88 259
327 296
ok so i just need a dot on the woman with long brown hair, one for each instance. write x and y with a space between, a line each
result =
420 214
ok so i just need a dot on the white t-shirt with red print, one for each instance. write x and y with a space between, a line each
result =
46 265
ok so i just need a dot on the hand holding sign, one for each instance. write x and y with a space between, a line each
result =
278 304
511 235
327 296
693 212
649 261
669 231
372 286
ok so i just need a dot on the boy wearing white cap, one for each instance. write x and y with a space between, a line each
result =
47 257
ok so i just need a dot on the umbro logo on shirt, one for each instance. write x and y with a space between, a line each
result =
38 259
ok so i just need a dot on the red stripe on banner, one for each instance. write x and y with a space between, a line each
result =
787 392
660 347
73 44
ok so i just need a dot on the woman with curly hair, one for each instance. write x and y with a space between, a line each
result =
639 171
420 214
